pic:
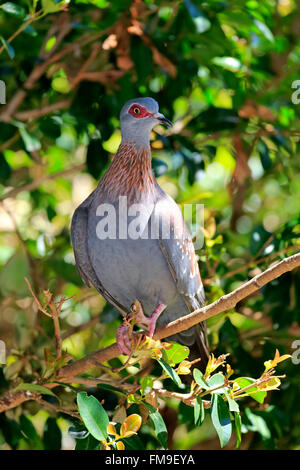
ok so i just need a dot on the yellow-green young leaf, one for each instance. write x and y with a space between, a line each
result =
184 368
120 445
254 391
50 6
272 384
224 157
146 385
112 430
273 362
214 363
175 354
229 371
131 425
50 43
61 84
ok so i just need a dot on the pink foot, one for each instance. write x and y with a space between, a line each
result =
136 315
151 322
123 340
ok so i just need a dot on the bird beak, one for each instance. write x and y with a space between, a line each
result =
163 120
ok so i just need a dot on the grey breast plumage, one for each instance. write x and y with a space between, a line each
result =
155 270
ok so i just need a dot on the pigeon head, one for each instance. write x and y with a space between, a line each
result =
138 117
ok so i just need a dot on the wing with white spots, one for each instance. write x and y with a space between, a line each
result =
177 247
179 252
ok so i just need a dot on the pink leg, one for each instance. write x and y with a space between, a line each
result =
152 320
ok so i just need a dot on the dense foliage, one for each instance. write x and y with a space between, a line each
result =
224 72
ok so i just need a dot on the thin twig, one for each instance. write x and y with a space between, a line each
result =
39 305
187 398
36 183
261 260
44 111
55 317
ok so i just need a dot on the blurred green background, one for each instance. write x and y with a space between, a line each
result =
224 73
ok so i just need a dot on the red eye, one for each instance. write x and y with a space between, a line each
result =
138 111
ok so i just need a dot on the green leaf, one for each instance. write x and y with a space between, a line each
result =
258 238
177 353
50 6
31 143
9 49
229 63
238 429
259 424
133 443
36 389
199 412
94 416
159 167
61 84
221 419
12 275
5 169
171 372
88 443
28 428
50 43
14 9
52 435
264 154
202 23
233 405
146 385
263 28
252 391
217 380
199 379
159 425
97 158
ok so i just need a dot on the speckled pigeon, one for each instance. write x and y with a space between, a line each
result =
121 240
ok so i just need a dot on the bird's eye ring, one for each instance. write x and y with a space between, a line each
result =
136 110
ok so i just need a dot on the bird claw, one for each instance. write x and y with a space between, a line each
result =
123 340
125 335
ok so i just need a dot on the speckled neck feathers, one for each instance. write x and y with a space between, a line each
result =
130 174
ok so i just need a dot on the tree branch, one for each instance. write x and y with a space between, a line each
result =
36 183
226 302
14 398
187 398
39 112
